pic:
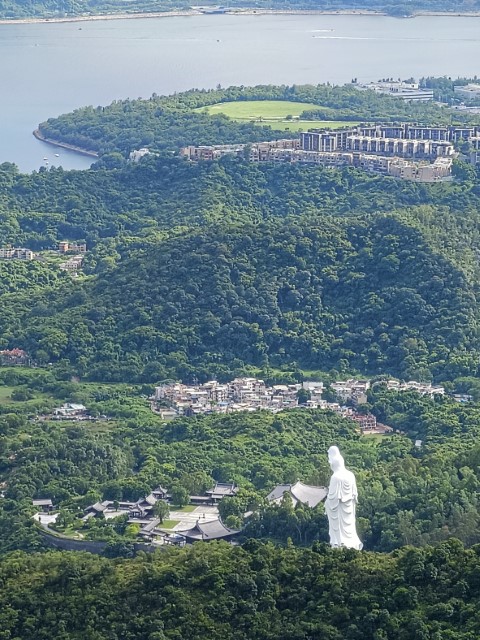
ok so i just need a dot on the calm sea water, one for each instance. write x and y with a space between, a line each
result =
48 69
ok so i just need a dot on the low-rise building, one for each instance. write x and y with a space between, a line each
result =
18 253
299 493
367 422
72 247
469 92
222 490
44 505
423 388
206 531
14 357
407 91
138 154
69 411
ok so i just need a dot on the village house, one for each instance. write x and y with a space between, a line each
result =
72 247
69 411
12 253
14 357
423 388
367 422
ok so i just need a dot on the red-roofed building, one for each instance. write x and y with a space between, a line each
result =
14 356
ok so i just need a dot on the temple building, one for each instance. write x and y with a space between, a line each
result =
299 492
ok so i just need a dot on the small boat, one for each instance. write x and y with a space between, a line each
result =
45 158
57 155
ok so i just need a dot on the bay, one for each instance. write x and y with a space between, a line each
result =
49 68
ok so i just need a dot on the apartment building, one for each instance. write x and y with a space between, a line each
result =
72 247
325 140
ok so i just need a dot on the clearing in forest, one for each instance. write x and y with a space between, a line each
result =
280 114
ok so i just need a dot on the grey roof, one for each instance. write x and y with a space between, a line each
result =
222 489
304 493
42 502
150 499
99 506
212 530
151 525
277 493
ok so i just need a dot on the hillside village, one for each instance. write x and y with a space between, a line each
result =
250 394
74 253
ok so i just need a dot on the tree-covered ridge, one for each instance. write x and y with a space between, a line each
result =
140 200
368 294
258 592
167 123
289 308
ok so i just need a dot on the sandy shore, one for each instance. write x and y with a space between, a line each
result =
235 12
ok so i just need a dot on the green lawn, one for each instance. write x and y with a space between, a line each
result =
168 524
274 113
5 393
254 109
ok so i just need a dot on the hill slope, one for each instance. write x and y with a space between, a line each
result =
369 294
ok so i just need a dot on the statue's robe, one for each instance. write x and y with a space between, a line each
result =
340 506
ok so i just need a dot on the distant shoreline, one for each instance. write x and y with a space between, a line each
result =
64 145
234 12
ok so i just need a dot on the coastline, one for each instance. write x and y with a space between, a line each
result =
64 145
233 12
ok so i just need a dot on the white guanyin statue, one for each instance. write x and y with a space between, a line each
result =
341 503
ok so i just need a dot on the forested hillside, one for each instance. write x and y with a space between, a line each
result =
303 271
258 592
370 295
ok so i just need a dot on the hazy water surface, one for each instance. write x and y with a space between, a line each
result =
48 69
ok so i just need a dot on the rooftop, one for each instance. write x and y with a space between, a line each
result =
213 530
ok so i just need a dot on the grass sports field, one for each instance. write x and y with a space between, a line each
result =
274 113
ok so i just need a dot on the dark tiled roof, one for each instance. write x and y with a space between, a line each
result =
222 489
212 530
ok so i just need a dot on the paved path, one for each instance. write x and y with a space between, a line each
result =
189 520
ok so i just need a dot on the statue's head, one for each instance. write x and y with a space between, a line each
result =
335 459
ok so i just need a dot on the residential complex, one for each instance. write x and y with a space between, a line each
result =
406 151
251 394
